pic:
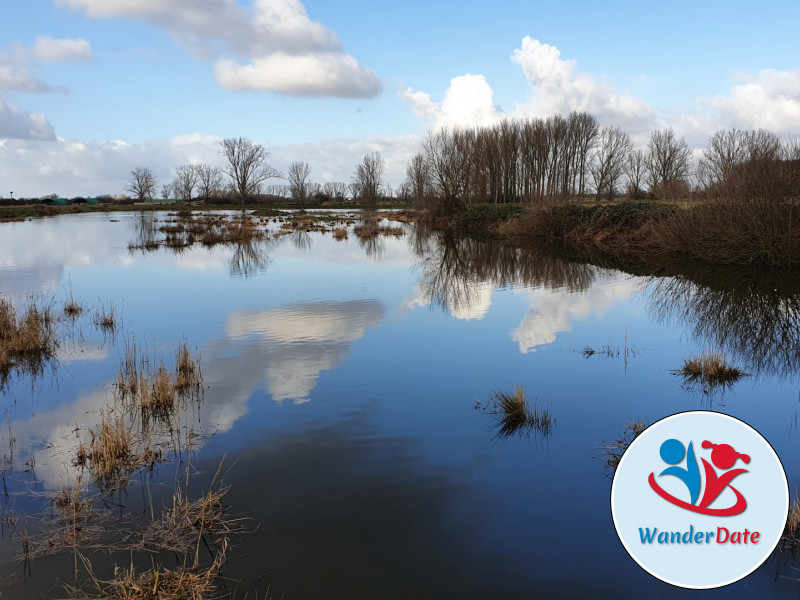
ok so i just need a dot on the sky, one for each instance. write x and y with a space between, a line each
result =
90 89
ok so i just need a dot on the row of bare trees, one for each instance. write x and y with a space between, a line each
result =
565 157
248 171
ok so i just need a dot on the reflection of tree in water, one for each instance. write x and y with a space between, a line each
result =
147 234
250 257
301 240
371 242
454 267
756 321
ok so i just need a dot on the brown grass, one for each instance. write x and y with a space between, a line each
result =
28 339
393 231
366 231
791 532
108 454
711 369
340 233
515 415
105 318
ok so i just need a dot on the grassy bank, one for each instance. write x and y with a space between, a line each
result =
29 211
750 233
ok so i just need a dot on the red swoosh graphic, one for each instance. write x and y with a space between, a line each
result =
736 509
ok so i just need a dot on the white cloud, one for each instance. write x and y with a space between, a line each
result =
558 87
16 77
62 50
22 125
768 100
284 50
319 74
468 101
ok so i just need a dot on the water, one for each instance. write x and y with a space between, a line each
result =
342 387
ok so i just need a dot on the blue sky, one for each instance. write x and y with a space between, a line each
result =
91 88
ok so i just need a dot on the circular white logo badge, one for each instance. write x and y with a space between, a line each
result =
700 499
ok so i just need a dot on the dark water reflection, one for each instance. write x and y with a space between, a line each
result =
348 407
756 321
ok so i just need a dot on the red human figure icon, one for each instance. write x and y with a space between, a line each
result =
724 457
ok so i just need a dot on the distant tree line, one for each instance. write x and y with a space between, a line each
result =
245 174
564 157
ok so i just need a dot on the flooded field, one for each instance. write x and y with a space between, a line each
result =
334 406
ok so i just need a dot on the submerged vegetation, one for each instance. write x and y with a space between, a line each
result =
148 420
613 451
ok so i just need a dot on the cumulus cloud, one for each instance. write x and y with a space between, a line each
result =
284 51
22 125
15 76
62 50
468 101
557 87
769 100
320 74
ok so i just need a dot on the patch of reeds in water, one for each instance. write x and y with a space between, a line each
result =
28 338
106 319
613 451
790 541
710 369
515 415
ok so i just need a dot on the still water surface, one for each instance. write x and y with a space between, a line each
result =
342 380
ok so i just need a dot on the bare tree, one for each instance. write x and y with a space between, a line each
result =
166 191
185 181
247 166
448 165
668 162
636 171
608 162
367 178
335 190
142 183
209 181
418 178
298 175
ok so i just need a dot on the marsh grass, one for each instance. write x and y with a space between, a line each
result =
790 541
109 453
72 308
28 337
366 230
613 451
515 415
711 369
340 234
198 533
106 318
392 231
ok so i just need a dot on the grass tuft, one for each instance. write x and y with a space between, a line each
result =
515 415
711 369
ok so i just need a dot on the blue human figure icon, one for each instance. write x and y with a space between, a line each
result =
672 452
